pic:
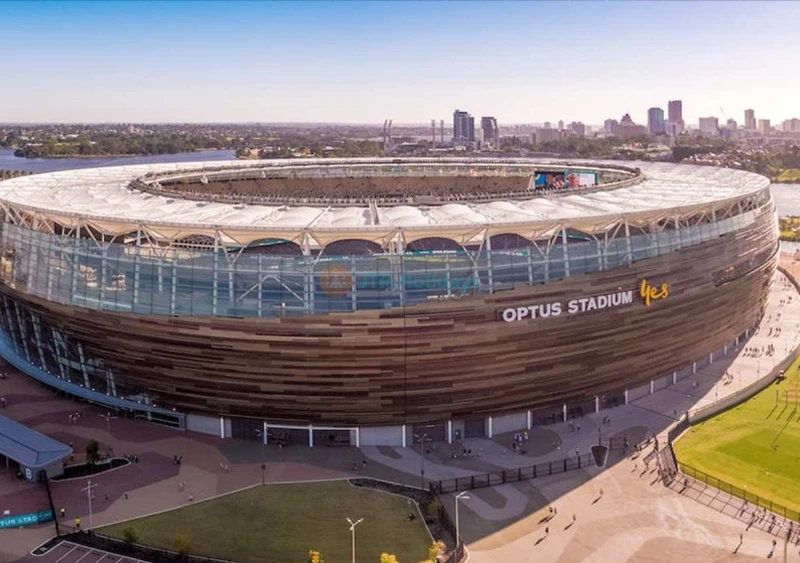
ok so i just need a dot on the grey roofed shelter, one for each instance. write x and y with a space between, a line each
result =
31 449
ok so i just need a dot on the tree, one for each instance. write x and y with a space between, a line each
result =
315 557
181 544
434 508
130 536
388 558
435 550
92 451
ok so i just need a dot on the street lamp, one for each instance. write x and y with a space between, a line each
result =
88 488
263 438
462 495
109 417
421 439
353 532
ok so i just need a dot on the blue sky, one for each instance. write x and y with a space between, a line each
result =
362 62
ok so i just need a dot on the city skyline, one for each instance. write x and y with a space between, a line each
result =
286 62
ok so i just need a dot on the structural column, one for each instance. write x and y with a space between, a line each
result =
564 244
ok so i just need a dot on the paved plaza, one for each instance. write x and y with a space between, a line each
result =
636 518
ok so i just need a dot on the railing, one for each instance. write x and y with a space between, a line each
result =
135 550
753 499
512 475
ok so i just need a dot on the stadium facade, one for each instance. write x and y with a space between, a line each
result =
366 301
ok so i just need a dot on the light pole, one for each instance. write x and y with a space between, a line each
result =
459 496
108 416
88 488
263 438
353 532
421 439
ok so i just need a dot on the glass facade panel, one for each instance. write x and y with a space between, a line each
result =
204 281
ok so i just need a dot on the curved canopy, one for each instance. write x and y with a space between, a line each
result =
103 199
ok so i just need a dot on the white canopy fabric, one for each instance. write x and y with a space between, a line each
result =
100 197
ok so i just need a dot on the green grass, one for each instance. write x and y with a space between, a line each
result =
281 523
754 446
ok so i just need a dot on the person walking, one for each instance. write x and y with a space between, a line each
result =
77 523
63 512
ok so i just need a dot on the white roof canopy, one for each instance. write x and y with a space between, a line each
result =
101 197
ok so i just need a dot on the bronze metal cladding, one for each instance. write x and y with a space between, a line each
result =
441 359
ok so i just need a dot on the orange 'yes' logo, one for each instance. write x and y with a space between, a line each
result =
651 293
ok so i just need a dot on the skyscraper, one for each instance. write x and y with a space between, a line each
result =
750 119
610 126
675 111
675 116
578 128
463 126
627 129
491 133
655 121
709 125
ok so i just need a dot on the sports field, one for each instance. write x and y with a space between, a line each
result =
754 446
278 523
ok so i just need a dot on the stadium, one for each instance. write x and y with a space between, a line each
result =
371 301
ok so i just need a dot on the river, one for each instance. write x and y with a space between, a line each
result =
10 162
787 199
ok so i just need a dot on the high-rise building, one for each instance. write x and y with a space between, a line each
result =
544 135
610 126
675 111
627 129
764 126
709 125
491 133
791 125
750 119
463 126
560 124
655 121
675 123
578 128
731 124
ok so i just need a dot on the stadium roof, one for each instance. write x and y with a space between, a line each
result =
27 447
101 198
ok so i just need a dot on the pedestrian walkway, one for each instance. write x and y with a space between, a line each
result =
737 508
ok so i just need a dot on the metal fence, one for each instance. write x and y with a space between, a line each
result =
458 553
136 551
512 475
751 498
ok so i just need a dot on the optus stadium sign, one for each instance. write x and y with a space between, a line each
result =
621 298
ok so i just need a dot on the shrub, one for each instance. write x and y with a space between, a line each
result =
434 507
130 536
435 550
181 544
